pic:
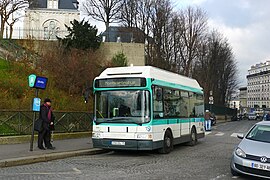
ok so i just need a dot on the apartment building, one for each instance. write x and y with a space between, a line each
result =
258 85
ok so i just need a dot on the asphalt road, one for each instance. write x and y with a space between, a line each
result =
208 160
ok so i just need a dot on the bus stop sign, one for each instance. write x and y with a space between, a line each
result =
31 80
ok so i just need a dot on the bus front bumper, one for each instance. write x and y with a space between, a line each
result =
124 144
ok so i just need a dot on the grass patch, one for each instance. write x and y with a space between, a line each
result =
16 94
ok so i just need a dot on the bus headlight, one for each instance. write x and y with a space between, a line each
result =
96 135
144 136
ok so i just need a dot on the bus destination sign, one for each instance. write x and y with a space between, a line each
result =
120 82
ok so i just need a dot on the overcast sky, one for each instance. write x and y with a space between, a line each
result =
246 25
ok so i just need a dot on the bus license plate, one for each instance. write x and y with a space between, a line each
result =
118 143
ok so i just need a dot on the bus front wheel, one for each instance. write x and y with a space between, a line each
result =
167 143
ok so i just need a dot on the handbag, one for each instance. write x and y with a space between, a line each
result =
38 125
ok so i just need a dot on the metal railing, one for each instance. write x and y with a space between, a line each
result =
34 33
21 122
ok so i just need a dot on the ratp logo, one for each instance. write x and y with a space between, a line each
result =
148 128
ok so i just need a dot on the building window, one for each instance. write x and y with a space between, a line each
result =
52 4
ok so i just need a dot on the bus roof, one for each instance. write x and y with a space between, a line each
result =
149 72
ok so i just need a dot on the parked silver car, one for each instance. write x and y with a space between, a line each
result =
252 155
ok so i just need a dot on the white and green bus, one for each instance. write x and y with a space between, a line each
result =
146 108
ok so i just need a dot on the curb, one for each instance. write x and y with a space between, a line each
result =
48 157
56 136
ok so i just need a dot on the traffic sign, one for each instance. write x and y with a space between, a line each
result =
41 82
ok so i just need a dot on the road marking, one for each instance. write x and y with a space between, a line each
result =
207 132
219 177
219 134
75 171
234 134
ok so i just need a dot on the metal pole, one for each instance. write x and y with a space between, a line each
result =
33 126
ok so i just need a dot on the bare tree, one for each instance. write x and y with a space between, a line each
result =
180 42
129 13
137 13
216 68
194 22
9 8
160 17
107 11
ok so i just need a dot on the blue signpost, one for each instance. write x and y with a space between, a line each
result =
36 104
36 82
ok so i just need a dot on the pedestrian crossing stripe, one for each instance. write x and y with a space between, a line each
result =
219 134
234 134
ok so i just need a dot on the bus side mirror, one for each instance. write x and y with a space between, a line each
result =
86 94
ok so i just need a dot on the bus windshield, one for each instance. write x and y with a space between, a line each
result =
122 106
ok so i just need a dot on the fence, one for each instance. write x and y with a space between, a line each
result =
37 34
21 122
221 110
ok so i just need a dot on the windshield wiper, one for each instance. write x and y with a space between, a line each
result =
119 120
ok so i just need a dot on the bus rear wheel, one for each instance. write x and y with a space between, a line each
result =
167 143
193 137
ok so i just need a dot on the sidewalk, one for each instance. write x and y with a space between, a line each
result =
20 154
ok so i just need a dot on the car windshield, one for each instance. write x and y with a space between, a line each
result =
260 133
122 106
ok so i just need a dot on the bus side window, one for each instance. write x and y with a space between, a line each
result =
171 103
158 102
199 105
192 101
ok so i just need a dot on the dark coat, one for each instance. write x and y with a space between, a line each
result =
43 114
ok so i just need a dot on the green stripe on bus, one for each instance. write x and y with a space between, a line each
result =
175 121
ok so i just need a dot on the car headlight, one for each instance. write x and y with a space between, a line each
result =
239 152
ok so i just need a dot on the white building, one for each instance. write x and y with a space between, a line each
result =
234 102
47 19
258 86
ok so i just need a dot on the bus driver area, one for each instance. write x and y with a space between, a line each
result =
146 108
